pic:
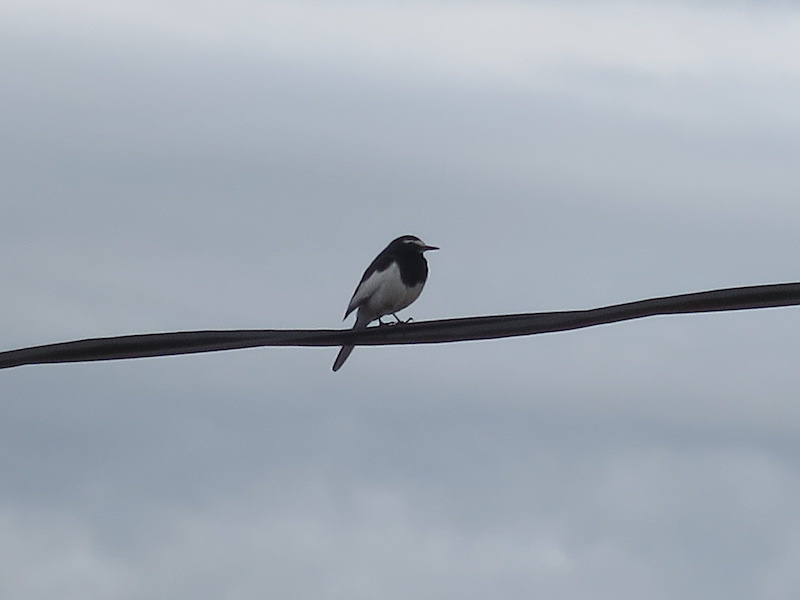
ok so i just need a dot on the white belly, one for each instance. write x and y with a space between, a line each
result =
390 294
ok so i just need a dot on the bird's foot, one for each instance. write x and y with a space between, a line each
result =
400 321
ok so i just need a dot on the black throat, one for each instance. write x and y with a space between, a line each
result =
413 266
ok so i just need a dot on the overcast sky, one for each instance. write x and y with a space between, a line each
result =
173 165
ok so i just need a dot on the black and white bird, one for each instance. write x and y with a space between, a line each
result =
391 282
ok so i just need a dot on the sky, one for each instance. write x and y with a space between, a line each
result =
180 165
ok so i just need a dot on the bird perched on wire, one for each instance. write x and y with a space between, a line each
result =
391 282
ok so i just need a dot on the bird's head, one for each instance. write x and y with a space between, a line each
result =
406 243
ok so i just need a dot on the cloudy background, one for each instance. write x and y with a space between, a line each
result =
175 165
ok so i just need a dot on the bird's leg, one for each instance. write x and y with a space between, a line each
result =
400 321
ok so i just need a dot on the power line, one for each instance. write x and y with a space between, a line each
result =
423 332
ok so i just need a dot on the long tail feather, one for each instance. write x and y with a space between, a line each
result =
342 356
362 320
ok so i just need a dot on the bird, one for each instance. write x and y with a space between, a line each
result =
391 282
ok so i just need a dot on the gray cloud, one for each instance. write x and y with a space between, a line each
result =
184 166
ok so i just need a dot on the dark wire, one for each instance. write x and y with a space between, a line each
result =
423 332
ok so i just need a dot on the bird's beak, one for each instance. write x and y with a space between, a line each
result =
426 248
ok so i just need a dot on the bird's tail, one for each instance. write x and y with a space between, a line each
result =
361 321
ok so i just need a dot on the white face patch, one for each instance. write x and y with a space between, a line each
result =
417 242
